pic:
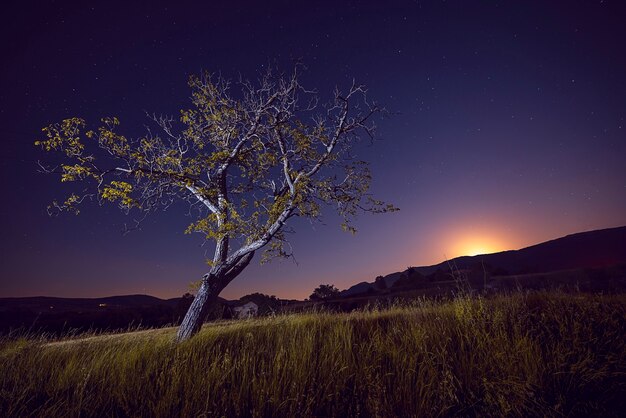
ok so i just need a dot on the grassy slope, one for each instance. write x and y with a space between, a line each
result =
519 355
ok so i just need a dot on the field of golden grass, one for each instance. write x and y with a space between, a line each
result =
523 354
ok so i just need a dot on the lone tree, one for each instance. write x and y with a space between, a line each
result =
380 283
324 291
245 162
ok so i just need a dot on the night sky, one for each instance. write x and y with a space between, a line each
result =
509 130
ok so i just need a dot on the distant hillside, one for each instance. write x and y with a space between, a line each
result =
568 259
593 249
60 316
47 304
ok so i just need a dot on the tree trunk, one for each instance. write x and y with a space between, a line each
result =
196 313
212 284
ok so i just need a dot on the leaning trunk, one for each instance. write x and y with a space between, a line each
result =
197 312
212 284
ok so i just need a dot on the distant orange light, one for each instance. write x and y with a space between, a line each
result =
475 243
478 249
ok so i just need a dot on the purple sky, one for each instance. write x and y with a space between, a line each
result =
510 130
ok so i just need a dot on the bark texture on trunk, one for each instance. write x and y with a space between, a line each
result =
212 284
197 312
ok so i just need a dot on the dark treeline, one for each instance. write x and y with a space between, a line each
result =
61 317
24 320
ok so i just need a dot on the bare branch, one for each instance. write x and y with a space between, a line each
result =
244 163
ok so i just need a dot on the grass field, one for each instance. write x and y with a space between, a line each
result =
524 354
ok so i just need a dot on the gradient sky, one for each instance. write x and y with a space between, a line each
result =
509 130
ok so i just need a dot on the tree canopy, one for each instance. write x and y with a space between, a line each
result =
244 161
324 291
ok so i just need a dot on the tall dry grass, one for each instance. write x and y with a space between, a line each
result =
537 354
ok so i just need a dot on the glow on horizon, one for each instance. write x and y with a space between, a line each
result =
471 243
478 250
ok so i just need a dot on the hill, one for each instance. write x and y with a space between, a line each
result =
593 261
59 316
41 304
592 249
